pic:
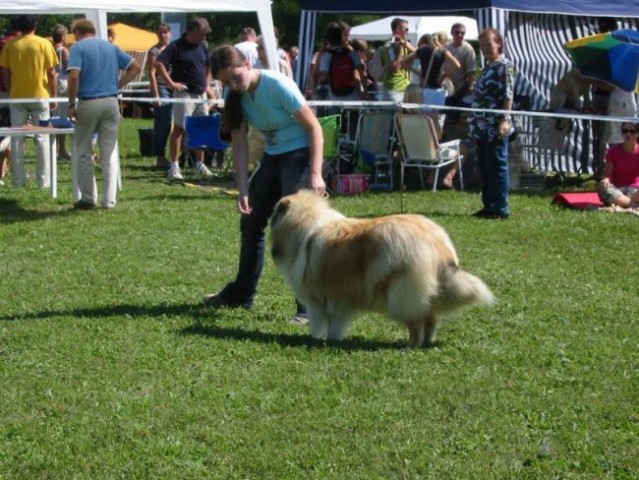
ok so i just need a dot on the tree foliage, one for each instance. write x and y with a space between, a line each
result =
225 26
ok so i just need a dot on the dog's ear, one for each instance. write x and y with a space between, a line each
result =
280 210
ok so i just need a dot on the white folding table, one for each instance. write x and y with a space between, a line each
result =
52 132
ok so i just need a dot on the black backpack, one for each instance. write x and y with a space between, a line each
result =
341 72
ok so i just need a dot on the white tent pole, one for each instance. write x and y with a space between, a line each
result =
267 30
99 19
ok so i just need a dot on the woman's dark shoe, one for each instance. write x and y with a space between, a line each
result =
216 300
487 214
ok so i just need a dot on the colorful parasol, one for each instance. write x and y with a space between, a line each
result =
611 57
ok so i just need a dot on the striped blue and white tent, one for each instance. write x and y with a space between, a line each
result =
534 33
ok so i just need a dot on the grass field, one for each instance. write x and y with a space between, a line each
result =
110 366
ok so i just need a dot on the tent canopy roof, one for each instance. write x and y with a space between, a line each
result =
417 26
622 8
96 10
125 6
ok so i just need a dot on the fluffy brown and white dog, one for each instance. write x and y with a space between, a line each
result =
402 265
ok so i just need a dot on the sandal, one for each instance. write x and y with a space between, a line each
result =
447 183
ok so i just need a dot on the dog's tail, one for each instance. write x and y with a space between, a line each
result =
459 288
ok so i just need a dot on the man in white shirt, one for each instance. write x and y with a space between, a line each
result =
464 79
248 45
455 125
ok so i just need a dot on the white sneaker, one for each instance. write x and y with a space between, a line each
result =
300 319
175 173
201 169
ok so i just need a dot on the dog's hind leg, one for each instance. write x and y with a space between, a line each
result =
422 332
337 328
430 329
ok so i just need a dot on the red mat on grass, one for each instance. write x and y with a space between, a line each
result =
579 200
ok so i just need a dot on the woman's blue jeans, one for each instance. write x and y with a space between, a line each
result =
492 160
276 177
162 117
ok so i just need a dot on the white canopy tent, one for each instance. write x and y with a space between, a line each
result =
96 11
417 26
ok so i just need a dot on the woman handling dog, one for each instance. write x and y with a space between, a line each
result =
272 104
620 183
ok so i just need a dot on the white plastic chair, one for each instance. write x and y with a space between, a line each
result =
421 149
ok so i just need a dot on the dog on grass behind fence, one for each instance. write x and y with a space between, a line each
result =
402 265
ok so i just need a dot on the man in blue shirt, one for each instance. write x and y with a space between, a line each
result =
94 67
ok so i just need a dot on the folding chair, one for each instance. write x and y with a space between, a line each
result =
331 127
373 145
203 133
421 149
331 130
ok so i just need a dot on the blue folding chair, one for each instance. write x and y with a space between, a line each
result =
203 133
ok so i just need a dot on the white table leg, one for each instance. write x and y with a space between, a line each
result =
53 159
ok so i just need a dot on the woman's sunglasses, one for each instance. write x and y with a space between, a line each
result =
627 131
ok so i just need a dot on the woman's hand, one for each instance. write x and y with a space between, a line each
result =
504 128
316 183
243 205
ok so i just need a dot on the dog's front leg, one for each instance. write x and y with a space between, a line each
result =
319 322
415 333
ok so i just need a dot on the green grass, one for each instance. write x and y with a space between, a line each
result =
110 367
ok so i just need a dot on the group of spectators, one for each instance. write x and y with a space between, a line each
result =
412 74
37 70
181 69
616 153
440 61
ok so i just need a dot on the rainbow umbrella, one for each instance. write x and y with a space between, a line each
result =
611 57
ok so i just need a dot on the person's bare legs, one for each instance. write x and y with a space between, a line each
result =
175 143
447 180
62 148
625 201
3 163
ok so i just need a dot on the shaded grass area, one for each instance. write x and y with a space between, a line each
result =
112 367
